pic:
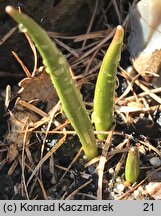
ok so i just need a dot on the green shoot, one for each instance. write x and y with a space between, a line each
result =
58 69
132 168
102 115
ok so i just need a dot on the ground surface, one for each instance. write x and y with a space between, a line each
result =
30 165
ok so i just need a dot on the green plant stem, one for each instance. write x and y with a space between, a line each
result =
102 115
58 69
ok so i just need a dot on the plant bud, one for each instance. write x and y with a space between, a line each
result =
132 168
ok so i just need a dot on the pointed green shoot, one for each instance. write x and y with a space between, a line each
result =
102 115
58 69
132 168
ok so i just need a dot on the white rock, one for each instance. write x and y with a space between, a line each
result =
111 183
136 194
116 191
155 161
120 187
118 179
140 188
111 171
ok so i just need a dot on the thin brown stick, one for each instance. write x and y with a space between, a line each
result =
144 88
27 72
156 90
100 44
91 21
117 11
69 49
54 149
147 144
70 165
126 109
13 167
32 107
40 183
33 48
8 35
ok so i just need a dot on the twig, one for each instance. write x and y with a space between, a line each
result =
91 21
32 107
147 144
27 72
156 90
137 82
8 35
70 165
33 48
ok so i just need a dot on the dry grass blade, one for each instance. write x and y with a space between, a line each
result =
45 195
8 97
46 118
33 48
27 72
128 88
91 162
69 49
156 90
147 144
91 21
70 196
70 165
25 141
151 94
54 149
98 46
46 133
127 109
2 163
88 196
40 183
120 163
117 10
144 88
12 168
82 37
93 35
8 35
100 168
32 107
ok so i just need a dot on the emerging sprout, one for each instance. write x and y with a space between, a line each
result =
58 69
132 168
105 87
